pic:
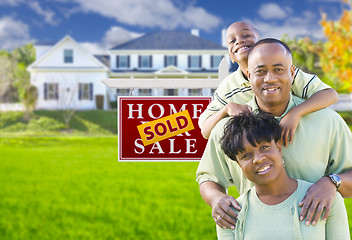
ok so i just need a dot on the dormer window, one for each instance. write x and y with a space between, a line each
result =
68 56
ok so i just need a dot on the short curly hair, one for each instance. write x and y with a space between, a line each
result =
256 127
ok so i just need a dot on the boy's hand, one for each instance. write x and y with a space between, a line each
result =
223 214
234 109
289 124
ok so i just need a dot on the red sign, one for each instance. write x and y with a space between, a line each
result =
154 116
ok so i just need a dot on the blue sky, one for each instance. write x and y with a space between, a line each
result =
102 24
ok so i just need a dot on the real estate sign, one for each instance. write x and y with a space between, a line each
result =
160 128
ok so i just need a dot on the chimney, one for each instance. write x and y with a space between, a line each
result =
223 38
195 32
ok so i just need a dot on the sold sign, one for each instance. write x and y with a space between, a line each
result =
165 127
160 128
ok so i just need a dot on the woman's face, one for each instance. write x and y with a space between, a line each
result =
261 164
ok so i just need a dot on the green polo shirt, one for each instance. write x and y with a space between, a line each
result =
322 144
281 221
235 88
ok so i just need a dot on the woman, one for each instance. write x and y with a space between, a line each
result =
270 209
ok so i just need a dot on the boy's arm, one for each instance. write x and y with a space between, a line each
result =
317 101
231 109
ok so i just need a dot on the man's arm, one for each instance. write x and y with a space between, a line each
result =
320 196
215 196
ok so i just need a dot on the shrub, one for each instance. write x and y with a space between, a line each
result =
44 124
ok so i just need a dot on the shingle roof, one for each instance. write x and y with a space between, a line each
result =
169 40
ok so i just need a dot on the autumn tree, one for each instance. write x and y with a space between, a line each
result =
305 54
336 55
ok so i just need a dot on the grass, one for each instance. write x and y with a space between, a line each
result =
46 122
56 185
74 188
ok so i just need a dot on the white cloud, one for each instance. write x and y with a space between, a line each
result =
271 11
48 15
10 2
94 48
305 24
157 13
13 33
118 35
113 37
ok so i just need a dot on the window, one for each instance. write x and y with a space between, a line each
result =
194 61
51 91
122 61
195 92
85 91
68 56
215 61
170 61
122 92
170 92
145 61
144 92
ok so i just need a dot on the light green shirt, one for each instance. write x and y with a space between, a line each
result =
235 88
322 144
258 220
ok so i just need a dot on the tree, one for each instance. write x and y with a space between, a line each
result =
305 54
14 78
68 92
8 92
29 99
335 58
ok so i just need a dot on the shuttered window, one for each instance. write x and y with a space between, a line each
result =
85 91
51 91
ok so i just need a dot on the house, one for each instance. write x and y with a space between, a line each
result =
68 76
165 56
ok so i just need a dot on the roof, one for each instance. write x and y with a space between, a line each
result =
67 38
105 59
169 40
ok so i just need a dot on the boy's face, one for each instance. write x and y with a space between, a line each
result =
240 37
261 164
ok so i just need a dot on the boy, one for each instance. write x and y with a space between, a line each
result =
235 90
270 209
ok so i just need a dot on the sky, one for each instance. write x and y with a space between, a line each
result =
100 25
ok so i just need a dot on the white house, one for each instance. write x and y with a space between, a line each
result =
67 75
165 56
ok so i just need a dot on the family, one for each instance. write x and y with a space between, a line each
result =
271 136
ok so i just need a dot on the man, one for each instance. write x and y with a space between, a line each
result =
322 143
234 91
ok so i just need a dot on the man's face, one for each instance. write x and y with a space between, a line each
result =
270 73
261 164
240 37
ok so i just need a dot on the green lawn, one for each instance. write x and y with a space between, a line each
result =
74 188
